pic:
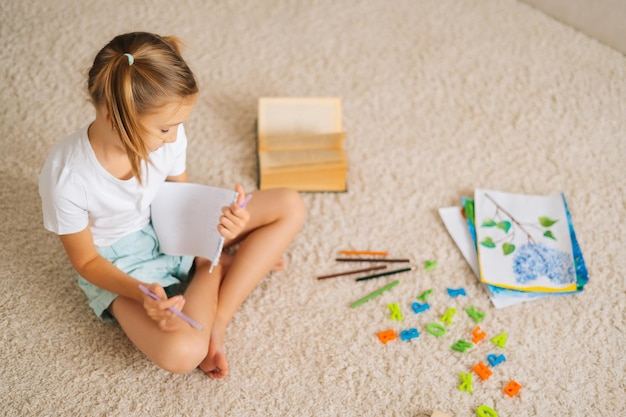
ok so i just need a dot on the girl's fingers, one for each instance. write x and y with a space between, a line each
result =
241 195
228 224
159 310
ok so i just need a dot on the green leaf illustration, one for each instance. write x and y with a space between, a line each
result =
504 225
488 222
468 207
549 234
508 248
488 243
546 221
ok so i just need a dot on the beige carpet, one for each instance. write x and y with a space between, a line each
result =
440 97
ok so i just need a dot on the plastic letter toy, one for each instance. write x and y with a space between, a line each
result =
447 316
396 314
476 315
512 388
495 359
482 371
409 334
423 296
478 335
500 340
484 411
418 308
430 265
436 329
455 293
461 346
466 382
387 335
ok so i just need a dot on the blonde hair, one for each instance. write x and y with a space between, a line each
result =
132 75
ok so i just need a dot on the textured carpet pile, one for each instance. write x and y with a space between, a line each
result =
439 98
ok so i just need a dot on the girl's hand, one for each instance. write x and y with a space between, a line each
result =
158 311
234 218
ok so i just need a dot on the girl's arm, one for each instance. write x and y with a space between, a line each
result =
99 271
178 178
94 268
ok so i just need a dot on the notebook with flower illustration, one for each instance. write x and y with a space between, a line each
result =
524 241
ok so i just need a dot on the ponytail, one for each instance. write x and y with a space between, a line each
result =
130 76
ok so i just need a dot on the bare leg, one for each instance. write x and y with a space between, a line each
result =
182 350
226 260
276 216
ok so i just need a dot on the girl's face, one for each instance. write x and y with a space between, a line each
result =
161 125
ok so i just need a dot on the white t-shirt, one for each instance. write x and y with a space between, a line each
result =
76 191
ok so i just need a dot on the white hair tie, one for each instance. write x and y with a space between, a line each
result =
131 59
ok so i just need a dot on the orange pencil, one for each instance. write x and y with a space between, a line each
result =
363 252
375 259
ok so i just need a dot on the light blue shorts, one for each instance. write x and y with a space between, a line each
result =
139 256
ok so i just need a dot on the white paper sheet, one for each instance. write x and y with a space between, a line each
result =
185 217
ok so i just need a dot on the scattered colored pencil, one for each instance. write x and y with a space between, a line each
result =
374 294
384 274
363 252
373 268
371 260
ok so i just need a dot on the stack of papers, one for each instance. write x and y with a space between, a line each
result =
521 247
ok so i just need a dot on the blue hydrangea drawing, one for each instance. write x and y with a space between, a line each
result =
529 244
533 261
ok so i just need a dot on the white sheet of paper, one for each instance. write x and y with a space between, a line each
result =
185 218
458 230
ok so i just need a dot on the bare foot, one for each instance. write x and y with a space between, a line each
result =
215 364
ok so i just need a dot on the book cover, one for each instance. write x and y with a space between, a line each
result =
524 241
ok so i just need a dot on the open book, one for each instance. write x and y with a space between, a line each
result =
185 218
300 144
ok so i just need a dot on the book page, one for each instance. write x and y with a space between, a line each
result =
320 141
185 218
298 116
300 158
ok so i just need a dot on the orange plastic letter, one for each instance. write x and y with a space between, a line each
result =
386 335
512 388
478 335
482 371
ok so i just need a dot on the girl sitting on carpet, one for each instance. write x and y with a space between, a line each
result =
96 188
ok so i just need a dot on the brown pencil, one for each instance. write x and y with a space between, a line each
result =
373 268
